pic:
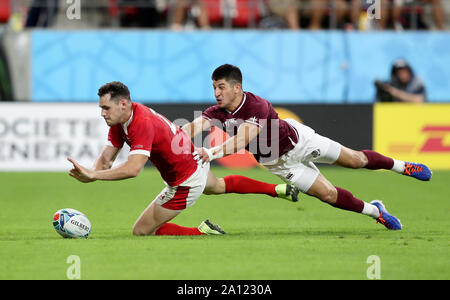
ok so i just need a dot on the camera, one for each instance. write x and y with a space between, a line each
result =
382 94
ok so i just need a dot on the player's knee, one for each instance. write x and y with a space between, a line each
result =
137 231
209 191
357 160
141 231
215 189
328 194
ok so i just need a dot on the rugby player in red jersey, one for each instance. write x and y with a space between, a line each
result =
153 137
288 148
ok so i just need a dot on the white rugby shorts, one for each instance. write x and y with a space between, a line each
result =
186 194
297 166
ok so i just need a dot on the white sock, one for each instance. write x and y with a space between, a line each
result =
399 166
370 210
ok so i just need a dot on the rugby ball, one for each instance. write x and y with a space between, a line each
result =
71 223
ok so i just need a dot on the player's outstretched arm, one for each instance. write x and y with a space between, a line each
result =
129 169
245 134
195 127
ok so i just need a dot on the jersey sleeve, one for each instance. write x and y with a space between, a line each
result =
141 137
114 137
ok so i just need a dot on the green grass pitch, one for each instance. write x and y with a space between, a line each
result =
267 238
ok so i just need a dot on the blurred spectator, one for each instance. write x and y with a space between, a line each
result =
189 10
42 13
142 13
293 12
6 86
336 9
243 13
408 14
5 11
282 14
404 85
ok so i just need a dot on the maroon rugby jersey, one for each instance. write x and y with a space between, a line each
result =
276 136
169 148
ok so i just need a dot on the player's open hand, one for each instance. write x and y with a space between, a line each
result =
80 173
203 154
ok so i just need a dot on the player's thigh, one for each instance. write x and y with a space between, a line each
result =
301 175
350 158
308 179
323 190
214 185
152 218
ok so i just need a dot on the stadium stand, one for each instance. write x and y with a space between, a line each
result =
5 11
227 14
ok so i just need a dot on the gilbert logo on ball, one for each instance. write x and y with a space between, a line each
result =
71 223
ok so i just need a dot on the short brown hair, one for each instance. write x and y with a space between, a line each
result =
116 89
230 73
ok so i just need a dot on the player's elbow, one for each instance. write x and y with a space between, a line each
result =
135 164
134 172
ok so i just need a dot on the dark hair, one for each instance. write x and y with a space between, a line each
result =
116 89
228 72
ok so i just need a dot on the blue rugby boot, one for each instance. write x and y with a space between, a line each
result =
385 218
418 171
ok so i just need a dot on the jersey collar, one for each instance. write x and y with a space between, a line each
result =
125 125
244 97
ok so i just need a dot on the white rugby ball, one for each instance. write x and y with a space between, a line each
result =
71 223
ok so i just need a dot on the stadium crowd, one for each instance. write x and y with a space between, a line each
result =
205 14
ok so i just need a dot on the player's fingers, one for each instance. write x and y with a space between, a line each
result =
74 163
202 155
77 167
79 177
74 172
205 160
74 175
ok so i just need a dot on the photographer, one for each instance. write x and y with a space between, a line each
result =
404 85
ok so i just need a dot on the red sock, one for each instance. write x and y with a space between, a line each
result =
244 185
347 201
174 229
378 161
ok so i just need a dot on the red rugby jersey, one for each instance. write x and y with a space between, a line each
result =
167 145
